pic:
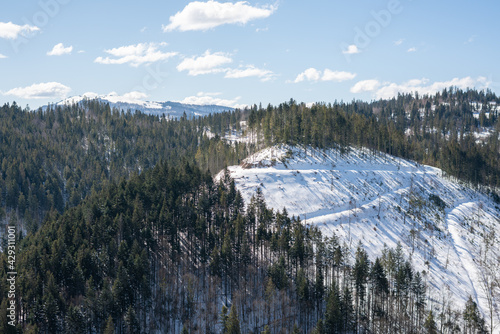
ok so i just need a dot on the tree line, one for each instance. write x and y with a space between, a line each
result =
170 250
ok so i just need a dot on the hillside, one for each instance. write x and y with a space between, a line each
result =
88 187
449 230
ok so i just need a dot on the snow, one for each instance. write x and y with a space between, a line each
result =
382 200
234 136
134 101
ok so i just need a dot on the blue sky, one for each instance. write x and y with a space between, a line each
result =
241 53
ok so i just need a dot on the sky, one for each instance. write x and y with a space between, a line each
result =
241 53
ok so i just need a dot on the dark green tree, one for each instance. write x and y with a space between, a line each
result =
233 323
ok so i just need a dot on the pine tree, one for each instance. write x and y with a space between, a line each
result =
430 324
474 321
361 272
75 321
347 310
110 326
131 322
333 316
233 323
296 329
224 318
320 328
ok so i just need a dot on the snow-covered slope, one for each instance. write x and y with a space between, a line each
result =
382 200
173 109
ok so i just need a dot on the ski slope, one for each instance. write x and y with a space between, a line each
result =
382 200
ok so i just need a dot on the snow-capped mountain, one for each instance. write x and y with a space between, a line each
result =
169 108
449 230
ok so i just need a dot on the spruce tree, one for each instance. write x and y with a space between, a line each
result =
110 326
430 324
233 323
131 322
224 318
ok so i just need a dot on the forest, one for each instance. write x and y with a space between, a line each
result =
124 230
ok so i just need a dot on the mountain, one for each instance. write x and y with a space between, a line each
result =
449 230
173 109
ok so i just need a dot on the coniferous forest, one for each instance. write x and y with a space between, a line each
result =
123 229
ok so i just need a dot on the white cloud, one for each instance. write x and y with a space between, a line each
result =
208 63
46 90
399 41
389 90
2 56
416 82
312 74
10 30
365 86
249 71
136 55
199 15
209 99
412 49
351 49
339 76
134 97
59 50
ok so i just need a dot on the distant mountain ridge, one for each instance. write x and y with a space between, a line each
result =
167 108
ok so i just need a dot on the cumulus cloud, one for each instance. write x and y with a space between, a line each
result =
422 86
205 64
365 86
399 41
216 62
59 50
412 49
10 30
339 76
249 71
134 97
136 55
2 56
46 90
312 74
199 15
351 49
203 98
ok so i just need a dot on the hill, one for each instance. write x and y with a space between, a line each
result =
448 229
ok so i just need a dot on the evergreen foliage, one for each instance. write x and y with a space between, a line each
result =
137 237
